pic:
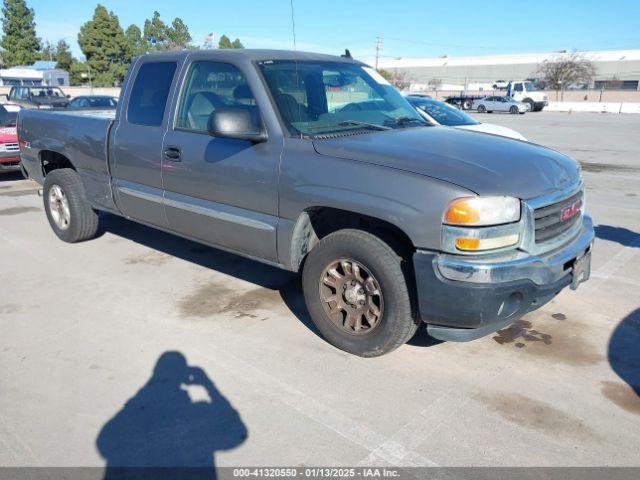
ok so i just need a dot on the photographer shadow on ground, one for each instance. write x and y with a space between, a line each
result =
163 433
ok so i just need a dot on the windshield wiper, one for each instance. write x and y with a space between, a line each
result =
358 123
404 121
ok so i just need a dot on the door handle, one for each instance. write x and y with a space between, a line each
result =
172 154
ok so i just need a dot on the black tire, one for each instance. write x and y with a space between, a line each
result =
513 110
82 221
482 109
397 323
532 105
466 105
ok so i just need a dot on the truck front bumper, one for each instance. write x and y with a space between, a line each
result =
464 298
9 162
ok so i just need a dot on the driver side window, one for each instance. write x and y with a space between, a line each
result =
208 87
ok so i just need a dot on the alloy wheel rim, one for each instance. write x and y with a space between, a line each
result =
351 296
59 207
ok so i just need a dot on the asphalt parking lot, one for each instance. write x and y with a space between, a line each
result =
94 338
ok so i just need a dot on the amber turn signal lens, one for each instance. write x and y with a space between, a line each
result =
467 243
462 212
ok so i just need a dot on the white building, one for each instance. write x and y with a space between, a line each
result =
616 69
40 73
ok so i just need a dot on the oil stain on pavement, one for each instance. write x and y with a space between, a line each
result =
214 298
565 344
18 210
535 414
150 258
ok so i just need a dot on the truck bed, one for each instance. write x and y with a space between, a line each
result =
80 136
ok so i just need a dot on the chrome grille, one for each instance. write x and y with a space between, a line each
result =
11 147
548 219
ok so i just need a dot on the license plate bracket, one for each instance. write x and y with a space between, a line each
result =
581 270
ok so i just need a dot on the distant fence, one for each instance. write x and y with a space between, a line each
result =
554 95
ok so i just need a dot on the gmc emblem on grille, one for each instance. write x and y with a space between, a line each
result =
569 212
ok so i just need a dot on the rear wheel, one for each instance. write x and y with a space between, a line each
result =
357 294
68 211
482 109
466 105
532 105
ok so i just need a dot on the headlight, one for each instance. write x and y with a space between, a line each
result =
482 211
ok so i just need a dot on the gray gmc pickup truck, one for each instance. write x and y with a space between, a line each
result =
316 164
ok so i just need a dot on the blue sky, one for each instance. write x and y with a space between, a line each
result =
408 28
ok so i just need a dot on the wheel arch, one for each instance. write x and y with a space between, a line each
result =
314 223
53 160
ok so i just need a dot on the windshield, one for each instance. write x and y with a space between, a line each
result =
530 86
444 114
50 92
7 119
318 97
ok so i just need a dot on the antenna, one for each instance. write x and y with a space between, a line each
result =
378 48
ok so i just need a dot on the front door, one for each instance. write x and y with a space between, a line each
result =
137 142
218 190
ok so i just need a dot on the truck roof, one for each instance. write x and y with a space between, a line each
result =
252 55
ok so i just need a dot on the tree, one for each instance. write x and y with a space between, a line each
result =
179 34
566 69
155 32
434 84
386 74
136 45
104 45
225 42
79 73
47 51
63 56
159 36
20 45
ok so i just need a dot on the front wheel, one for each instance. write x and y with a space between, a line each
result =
357 294
466 105
513 110
68 211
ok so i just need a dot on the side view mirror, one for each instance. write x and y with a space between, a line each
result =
68 96
236 123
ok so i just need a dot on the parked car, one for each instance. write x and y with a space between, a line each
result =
38 97
526 91
390 221
440 113
9 147
500 104
93 102
500 84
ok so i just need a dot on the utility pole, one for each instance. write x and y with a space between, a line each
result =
378 48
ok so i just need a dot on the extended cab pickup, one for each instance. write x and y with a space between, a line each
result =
316 164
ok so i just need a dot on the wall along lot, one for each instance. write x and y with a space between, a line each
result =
83 327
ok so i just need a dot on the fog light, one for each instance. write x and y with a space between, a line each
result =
477 244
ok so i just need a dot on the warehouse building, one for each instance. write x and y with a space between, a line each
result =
619 70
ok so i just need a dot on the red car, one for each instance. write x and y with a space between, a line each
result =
9 148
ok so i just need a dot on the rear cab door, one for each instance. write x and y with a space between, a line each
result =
136 141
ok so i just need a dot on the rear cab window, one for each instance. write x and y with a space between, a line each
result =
151 88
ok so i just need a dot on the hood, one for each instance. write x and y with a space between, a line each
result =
485 164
